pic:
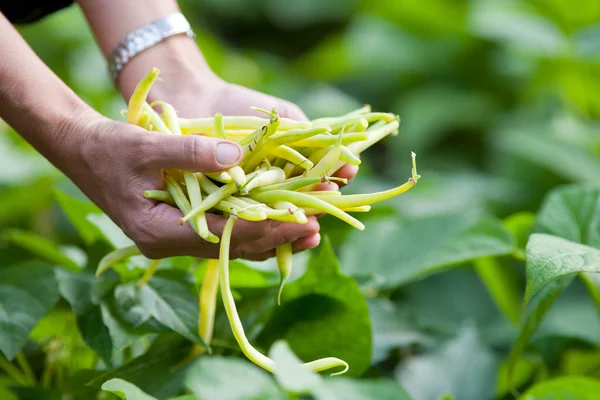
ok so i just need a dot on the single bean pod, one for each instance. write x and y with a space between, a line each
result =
283 254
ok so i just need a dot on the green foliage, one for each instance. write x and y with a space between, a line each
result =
480 283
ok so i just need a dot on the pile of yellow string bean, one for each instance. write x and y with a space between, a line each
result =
283 161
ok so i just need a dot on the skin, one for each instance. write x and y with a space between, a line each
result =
112 162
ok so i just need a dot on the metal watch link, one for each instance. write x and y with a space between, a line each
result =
144 38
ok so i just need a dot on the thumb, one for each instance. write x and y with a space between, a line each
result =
193 153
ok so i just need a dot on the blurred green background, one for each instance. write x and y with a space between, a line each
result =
499 99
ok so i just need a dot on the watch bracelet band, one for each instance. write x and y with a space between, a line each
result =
144 38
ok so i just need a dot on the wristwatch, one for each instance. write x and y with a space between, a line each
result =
144 38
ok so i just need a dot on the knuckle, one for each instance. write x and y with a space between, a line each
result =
191 149
240 251
147 148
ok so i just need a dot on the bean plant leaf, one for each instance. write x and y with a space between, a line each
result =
227 378
515 23
550 257
295 377
77 211
567 160
110 231
564 388
327 305
570 213
27 293
365 389
17 202
5 392
78 289
159 372
534 316
34 393
42 247
172 303
393 328
395 253
125 390
573 213
463 358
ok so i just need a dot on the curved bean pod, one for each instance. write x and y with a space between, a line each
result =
138 98
306 200
236 324
283 254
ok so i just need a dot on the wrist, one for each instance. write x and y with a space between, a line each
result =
182 68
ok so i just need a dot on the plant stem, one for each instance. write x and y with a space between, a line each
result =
11 370
26 367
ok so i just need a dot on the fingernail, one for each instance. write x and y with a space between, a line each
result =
227 153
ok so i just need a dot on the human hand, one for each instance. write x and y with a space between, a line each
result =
206 96
116 162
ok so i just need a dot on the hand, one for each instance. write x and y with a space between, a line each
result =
213 95
116 162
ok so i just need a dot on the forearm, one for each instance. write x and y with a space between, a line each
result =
178 57
34 101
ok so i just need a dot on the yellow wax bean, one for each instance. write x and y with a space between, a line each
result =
138 98
306 200
283 253
236 324
208 301
329 140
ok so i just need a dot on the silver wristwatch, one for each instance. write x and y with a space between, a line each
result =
144 38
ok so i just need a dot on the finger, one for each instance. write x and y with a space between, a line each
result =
166 218
164 234
327 186
348 172
302 244
290 110
190 152
285 233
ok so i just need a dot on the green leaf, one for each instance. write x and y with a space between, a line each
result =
78 289
42 247
396 252
572 213
524 370
516 24
550 257
520 225
502 283
173 304
465 358
295 377
241 275
534 316
125 390
17 202
365 389
328 306
393 328
31 393
564 388
158 372
5 392
77 212
120 337
27 293
443 302
227 378
567 160
61 324
110 231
